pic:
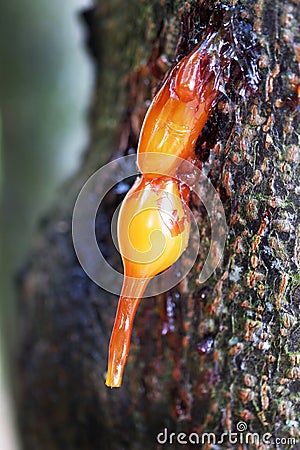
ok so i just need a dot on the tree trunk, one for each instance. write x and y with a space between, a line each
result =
212 357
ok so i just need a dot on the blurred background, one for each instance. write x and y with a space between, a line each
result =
46 80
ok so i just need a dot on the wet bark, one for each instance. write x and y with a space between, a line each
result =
204 357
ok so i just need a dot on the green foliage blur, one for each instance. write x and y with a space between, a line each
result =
1 176
45 84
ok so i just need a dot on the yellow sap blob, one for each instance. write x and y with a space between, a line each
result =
153 227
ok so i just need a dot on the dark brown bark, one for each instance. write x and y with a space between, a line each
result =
206 357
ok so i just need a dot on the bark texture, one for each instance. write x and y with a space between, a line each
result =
203 357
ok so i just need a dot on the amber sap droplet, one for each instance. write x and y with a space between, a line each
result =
177 114
153 231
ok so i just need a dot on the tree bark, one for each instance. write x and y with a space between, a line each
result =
206 357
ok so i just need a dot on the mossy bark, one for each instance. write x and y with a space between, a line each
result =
204 358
